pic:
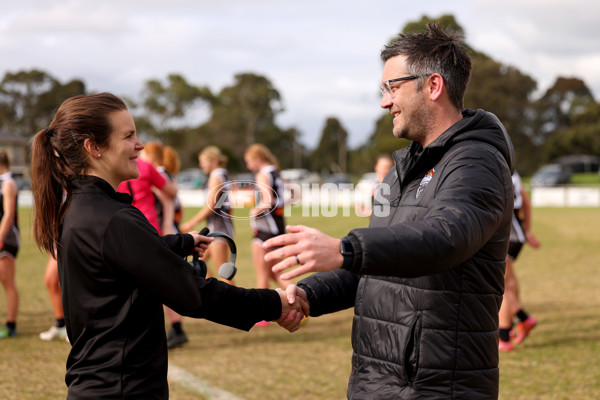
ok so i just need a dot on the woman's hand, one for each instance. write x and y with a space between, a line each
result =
258 211
186 227
201 243
294 306
532 240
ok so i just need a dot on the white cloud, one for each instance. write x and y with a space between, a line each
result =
70 16
322 55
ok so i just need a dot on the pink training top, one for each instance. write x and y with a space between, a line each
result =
141 190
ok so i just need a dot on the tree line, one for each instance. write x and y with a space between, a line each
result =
564 120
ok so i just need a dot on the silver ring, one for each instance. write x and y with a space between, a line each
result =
297 260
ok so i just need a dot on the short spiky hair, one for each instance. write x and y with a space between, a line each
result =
434 51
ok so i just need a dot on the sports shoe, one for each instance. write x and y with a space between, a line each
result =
262 323
175 339
5 332
504 347
54 333
523 329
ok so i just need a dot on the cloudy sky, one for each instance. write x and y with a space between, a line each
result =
321 55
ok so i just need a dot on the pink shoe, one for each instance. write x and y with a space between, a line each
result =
523 329
262 323
504 347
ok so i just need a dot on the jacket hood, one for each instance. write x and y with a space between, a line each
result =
482 126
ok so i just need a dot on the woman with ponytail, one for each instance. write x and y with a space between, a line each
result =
115 271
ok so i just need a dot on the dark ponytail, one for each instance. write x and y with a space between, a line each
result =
48 183
57 154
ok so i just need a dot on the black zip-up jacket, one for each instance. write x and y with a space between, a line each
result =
116 273
428 275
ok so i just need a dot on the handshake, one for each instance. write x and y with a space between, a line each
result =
294 307
306 250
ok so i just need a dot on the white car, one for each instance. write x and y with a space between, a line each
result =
299 176
551 175
367 181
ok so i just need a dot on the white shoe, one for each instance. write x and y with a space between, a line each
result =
54 333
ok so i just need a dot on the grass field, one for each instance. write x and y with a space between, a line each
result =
560 360
592 179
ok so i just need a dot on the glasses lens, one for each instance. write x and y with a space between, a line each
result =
385 89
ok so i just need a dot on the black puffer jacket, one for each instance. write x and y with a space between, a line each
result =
428 275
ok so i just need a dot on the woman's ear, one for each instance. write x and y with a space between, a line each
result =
91 147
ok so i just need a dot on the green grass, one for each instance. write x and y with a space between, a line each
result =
560 360
586 179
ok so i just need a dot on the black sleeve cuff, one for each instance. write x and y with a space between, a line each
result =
356 264
181 243
272 304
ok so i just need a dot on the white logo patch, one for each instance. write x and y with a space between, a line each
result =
425 181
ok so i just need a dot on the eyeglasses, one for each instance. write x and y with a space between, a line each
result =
387 89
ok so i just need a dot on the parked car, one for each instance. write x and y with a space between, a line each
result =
23 183
299 176
338 179
367 181
551 175
242 176
191 178
579 163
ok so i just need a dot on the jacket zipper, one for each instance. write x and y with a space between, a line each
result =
412 351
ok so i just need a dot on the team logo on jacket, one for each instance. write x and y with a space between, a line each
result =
425 181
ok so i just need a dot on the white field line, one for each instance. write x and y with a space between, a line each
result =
191 382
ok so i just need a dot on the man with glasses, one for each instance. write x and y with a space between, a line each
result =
426 277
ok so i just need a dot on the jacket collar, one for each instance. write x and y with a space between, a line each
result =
475 125
93 184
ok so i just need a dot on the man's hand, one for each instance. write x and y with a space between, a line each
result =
313 250
294 305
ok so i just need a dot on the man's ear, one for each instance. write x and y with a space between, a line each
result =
91 147
436 86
